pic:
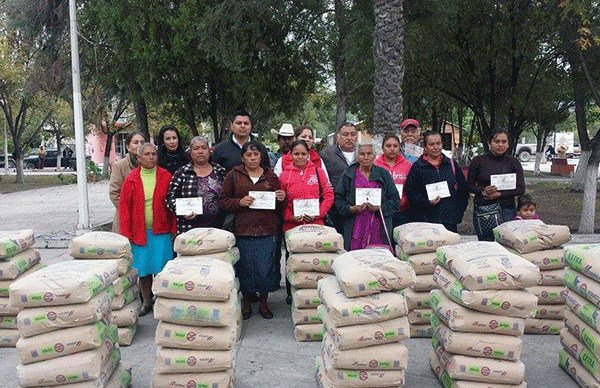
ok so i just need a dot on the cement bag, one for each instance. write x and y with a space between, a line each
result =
120 378
13 242
9 338
5 284
123 265
543 326
582 354
313 238
305 298
9 322
125 281
583 285
345 311
497 346
196 313
7 309
531 235
202 241
126 335
546 259
195 279
421 237
185 380
547 294
368 271
553 277
416 300
16 265
583 332
392 356
305 316
308 333
570 365
459 318
230 256
585 310
584 259
549 311
362 378
424 283
128 296
38 320
306 279
484 369
311 262
194 337
69 369
67 282
128 314
422 263
419 317
321 376
100 245
482 265
421 331
511 303
192 360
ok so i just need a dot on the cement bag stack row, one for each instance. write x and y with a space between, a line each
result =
313 249
17 259
126 303
416 243
480 314
64 322
364 318
581 336
540 244
199 313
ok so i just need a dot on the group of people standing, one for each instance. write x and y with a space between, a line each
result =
406 183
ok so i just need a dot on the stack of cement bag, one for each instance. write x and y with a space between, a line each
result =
198 311
17 259
207 242
480 314
126 303
540 244
416 243
66 335
581 336
364 318
312 249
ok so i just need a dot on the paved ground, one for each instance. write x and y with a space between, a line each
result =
267 356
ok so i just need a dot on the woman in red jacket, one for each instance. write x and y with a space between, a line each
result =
146 221
305 133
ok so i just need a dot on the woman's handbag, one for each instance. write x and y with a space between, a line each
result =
485 219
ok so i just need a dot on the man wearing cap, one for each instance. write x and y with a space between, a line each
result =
410 133
285 137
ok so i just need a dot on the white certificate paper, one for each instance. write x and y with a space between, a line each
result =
187 206
439 189
504 181
413 150
400 188
372 196
263 200
309 207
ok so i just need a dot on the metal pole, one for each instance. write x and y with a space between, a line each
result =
82 194
6 147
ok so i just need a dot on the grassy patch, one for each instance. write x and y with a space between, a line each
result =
8 185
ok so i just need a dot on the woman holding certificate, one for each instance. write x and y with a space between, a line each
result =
496 179
252 192
146 221
435 187
366 198
194 190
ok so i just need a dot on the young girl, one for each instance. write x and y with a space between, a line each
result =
526 208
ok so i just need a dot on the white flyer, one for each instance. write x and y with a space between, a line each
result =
263 200
504 181
187 206
309 207
400 188
413 150
439 189
370 195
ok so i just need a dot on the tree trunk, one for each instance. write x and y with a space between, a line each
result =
538 161
578 182
339 64
588 208
58 153
388 51
18 155
141 112
107 149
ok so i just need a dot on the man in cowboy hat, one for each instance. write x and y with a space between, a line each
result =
285 137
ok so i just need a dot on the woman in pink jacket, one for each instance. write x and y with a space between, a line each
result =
398 166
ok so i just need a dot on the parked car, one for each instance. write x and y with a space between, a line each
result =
33 160
525 151
11 161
